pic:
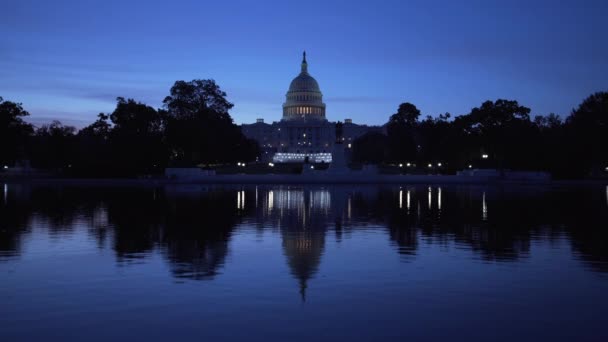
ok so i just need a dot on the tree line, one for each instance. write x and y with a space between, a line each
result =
193 127
498 134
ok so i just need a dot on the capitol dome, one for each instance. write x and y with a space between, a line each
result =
304 82
304 100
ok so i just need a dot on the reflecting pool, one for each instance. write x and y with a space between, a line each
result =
295 263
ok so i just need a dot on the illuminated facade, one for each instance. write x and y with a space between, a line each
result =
304 100
304 133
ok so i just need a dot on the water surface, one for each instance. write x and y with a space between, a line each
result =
295 263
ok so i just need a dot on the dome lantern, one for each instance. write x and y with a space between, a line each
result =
304 64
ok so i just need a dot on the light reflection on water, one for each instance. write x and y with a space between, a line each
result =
351 255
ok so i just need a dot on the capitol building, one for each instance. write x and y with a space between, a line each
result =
303 134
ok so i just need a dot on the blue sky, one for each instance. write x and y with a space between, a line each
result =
69 60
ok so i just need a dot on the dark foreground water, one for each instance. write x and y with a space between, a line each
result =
304 263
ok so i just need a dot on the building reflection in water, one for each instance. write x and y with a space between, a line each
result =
303 216
191 227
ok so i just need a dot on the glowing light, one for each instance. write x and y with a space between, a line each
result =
430 198
408 164
484 207
270 200
282 157
430 165
407 200
470 166
5 167
439 164
350 145
349 208
238 164
400 199
312 167
240 199
400 165
271 164
439 198
484 156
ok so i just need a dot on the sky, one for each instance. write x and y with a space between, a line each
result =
69 60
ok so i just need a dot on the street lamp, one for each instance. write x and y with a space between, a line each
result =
400 165
470 166
408 164
439 164
430 165
484 156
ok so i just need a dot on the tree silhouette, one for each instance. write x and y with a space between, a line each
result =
400 131
137 137
407 115
587 132
53 146
370 148
13 131
199 128
499 129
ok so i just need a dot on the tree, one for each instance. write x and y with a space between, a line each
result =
587 135
551 146
371 148
53 146
199 127
500 129
407 115
549 122
441 143
196 98
94 155
400 129
137 137
13 131
592 112
101 128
